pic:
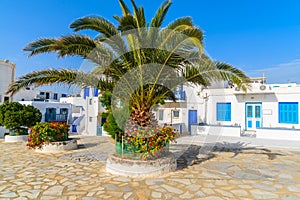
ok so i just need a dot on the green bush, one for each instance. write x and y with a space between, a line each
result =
18 117
46 132
110 125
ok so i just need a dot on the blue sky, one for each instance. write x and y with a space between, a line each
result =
254 35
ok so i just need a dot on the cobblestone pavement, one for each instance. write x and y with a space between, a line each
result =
223 173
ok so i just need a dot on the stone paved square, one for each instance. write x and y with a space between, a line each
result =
245 173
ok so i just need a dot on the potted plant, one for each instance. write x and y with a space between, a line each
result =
150 143
17 118
50 137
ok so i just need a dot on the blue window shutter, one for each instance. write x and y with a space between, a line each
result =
288 112
95 92
223 111
86 92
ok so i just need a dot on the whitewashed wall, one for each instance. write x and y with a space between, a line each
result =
7 76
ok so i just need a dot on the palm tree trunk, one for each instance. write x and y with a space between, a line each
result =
140 118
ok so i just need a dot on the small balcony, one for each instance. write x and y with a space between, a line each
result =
56 117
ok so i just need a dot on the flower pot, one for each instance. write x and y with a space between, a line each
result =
59 146
16 138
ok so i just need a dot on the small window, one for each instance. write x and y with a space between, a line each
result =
47 95
288 112
64 111
175 114
161 115
42 93
27 88
6 99
55 96
224 112
91 101
90 119
63 95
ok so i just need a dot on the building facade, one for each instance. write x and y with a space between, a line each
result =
7 76
262 108
32 94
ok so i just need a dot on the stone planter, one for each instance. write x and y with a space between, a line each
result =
141 168
16 138
59 146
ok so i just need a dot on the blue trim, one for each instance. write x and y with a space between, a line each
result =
257 124
288 112
249 124
192 118
280 128
223 111
86 92
96 92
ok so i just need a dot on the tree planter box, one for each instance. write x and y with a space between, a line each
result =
128 152
141 168
16 138
59 146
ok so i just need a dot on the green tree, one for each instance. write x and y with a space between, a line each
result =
18 117
127 47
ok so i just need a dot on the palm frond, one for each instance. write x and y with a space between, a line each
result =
125 9
95 23
42 46
160 14
180 24
66 45
53 76
139 15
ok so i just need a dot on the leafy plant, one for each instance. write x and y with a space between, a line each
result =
18 117
150 143
110 125
46 132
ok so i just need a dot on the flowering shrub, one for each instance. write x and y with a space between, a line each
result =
47 132
150 142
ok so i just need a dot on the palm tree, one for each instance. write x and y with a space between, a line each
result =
139 62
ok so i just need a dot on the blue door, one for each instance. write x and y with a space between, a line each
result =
253 116
50 114
99 130
192 118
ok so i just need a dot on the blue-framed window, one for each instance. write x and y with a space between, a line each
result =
288 112
223 111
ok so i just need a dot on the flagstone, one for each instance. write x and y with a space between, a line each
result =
54 190
172 189
57 176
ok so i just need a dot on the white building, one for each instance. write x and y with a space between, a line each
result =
86 112
265 110
32 94
7 76
52 111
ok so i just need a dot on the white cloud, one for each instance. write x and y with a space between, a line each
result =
281 73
